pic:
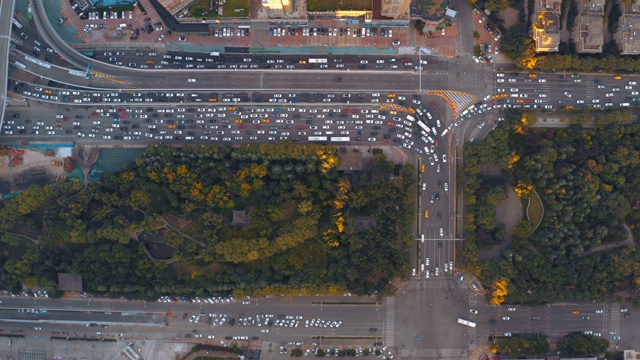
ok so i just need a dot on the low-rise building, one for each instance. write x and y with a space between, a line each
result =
549 6
588 33
546 32
628 34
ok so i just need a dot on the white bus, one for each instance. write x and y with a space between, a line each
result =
424 127
16 23
317 138
20 65
341 138
466 322
317 61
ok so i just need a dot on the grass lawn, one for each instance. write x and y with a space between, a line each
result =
535 210
231 5
201 8
332 5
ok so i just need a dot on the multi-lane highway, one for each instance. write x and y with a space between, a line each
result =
146 96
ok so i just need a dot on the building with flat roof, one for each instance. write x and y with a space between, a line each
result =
631 355
628 35
591 6
395 9
552 6
276 8
546 32
588 33
633 9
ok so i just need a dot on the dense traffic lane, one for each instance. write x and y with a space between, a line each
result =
60 315
6 7
234 80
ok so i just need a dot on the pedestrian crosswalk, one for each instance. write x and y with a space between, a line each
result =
457 100
390 322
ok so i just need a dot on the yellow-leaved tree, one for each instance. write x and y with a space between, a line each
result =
499 291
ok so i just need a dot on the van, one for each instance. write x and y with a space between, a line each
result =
364 32
444 132
411 118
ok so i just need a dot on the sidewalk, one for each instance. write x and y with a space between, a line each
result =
258 41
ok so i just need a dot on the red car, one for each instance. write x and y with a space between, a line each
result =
242 126
404 60
434 105
437 143
257 126
300 127
389 123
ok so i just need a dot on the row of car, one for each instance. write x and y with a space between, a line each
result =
27 293
230 32
208 300
357 32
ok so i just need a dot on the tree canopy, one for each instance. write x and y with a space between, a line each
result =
589 183
266 219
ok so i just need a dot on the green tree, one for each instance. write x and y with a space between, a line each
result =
575 345
523 229
496 5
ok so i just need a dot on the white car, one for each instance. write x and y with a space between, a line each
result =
473 311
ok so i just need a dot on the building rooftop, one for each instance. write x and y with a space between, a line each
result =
546 32
554 6
589 35
396 9
631 355
593 6
630 34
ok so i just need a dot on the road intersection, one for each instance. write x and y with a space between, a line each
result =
420 321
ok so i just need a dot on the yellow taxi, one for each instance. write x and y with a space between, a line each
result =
569 107
426 214
231 108
302 62
213 100
265 120
422 167
238 121
617 77
47 91
391 95
533 76
393 112
412 110
172 126
575 312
